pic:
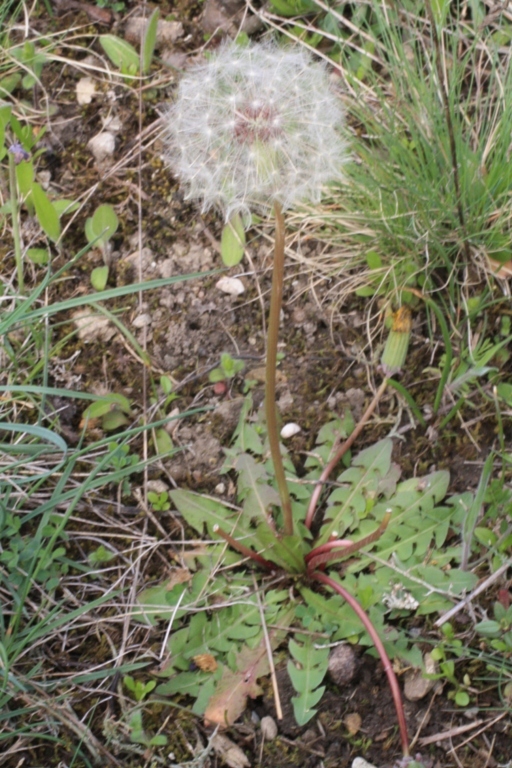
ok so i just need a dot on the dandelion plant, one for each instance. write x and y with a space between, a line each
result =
257 129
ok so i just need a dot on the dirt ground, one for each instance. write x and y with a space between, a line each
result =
329 363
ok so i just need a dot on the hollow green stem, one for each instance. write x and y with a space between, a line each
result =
15 223
276 300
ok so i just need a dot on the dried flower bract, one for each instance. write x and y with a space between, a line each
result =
253 126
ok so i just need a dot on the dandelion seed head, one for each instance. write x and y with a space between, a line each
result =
253 126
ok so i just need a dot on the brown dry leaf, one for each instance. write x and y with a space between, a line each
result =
230 698
353 722
206 662
178 576
500 269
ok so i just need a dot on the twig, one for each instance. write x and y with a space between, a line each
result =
487 725
478 590
275 688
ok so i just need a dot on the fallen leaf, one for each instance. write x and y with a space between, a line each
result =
500 269
233 689
205 662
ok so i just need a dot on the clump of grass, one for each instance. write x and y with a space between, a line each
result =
427 194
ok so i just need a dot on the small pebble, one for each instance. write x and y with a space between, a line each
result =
230 285
102 146
342 665
289 430
85 90
157 486
268 728
416 686
141 321
360 762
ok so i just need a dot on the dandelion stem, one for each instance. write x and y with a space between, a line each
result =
276 299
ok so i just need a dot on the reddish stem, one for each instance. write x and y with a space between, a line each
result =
324 553
392 680
245 551
343 448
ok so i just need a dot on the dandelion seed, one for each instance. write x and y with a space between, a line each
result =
255 126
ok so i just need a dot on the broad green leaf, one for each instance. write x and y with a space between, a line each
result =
200 512
105 404
99 278
218 633
45 212
359 489
28 82
64 206
306 677
9 83
287 552
120 53
148 42
101 555
38 256
232 243
163 441
373 260
253 489
293 7
100 227
113 420
25 177
184 683
216 375
488 628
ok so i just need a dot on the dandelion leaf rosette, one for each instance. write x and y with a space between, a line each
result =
255 125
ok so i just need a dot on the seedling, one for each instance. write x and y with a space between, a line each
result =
99 229
228 369
159 501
